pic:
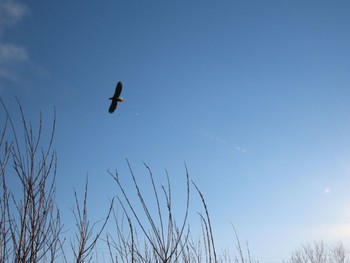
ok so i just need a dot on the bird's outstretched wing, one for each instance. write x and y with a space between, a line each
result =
118 90
113 106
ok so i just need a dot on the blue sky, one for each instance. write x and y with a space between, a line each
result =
252 95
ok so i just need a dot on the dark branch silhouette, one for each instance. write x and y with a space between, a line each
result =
115 99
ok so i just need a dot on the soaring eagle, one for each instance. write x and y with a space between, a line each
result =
115 99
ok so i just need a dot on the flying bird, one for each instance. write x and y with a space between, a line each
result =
115 99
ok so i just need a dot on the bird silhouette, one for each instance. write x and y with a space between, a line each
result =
115 99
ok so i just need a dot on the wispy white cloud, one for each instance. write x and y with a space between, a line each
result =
11 13
12 53
327 190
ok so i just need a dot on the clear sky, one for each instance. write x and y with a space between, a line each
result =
252 95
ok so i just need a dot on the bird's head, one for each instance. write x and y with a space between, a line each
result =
120 99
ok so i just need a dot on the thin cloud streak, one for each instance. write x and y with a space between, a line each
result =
11 12
10 53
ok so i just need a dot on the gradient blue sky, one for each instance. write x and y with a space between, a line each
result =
252 95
